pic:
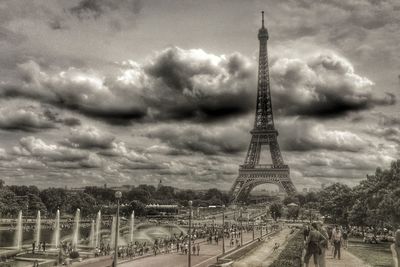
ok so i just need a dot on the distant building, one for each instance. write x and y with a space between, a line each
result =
157 209
159 185
122 188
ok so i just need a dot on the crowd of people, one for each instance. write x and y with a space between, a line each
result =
200 235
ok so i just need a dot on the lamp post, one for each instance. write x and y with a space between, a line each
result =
223 229
190 238
253 227
241 233
118 196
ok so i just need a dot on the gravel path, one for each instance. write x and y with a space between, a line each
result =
264 254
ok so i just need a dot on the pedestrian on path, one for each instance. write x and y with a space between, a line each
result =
337 241
198 249
323 244
313 245
345 236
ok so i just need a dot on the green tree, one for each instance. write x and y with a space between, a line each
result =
293 212
358 214
336 201
35 203
165 193
140 194
8 203
101 194
276 210
54 198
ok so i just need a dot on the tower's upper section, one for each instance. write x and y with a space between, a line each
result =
263 32
264 120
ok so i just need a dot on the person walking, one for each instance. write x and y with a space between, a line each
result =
345 236
337 241
313 245
306 232
323 244
198 249
194 249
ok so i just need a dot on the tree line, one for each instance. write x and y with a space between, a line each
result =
30 199
375 202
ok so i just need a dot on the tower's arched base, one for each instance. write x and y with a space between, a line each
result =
251 177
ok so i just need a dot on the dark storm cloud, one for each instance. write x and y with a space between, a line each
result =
194 84
94 8
54 116
70 121
325 86
178 84
197 138
74 89
174 84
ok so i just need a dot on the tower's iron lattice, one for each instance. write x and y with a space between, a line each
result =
252 173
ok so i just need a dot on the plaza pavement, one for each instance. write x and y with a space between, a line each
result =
208 255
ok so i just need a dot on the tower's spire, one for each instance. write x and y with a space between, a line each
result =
262 14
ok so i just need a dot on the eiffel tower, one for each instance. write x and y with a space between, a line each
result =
252 173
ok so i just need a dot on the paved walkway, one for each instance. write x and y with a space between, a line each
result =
208 255
347 260
262 256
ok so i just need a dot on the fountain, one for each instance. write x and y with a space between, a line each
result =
92 235
18 233
98 227
113 226
75 237
132 226
56 234
38 229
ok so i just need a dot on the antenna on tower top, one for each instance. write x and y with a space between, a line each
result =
262 13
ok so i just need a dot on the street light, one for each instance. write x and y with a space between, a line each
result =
252 222
223 229
190 226
118 196
241 233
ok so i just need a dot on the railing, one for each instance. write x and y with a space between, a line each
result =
264 166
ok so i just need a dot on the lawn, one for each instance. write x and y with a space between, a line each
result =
377 255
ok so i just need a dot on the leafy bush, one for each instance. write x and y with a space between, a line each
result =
74 255
291 254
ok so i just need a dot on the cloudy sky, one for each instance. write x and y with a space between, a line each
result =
130 91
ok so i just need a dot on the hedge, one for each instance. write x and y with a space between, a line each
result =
292 253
